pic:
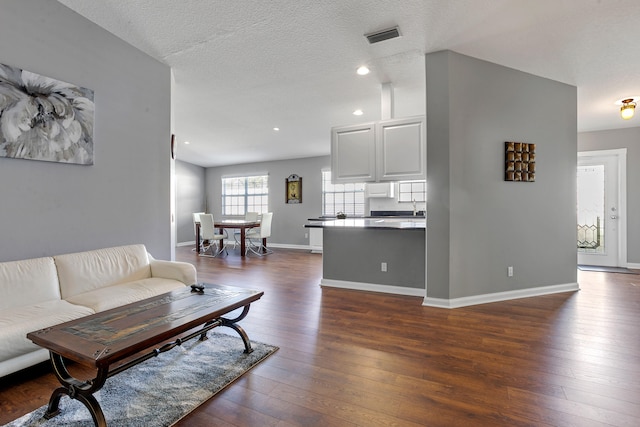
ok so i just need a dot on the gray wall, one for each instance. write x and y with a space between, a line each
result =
124 198
355 255
478 224
190 198
630 139
288 219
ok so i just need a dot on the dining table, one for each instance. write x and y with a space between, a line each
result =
241 224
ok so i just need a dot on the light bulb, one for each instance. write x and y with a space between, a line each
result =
627 109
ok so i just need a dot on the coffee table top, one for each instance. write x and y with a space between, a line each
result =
103 338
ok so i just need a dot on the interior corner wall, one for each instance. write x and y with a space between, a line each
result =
481 223
628 138
124 198
438 186
190 198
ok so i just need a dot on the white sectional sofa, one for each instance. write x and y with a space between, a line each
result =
41 292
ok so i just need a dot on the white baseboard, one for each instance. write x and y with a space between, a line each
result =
500 296
288 246
193 243
452 303
359 286
633 265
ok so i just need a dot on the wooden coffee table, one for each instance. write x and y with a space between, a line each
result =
113 341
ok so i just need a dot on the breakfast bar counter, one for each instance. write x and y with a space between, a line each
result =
374 254
396 223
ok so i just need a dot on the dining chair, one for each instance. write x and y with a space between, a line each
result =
196 218
249 216
255 236
209 235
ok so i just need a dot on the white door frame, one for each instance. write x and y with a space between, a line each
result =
621 155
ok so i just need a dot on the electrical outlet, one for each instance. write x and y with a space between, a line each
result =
383 266
510 271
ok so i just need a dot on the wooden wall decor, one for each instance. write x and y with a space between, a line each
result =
293 191
520 161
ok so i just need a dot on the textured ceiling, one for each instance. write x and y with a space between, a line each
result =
244 67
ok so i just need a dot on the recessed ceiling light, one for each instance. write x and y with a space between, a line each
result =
358 113
363 70
187 142
276 129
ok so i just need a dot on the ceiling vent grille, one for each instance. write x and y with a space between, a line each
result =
383 35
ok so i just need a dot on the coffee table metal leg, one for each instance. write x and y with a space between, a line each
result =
76 389
243 335
231 323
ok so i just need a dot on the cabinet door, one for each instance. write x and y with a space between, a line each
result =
379 189
353 153
315 240
402 149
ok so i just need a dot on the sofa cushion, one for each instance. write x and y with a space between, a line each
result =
117 295
16 323
87 271
27 282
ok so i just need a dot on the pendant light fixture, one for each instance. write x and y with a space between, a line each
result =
628 108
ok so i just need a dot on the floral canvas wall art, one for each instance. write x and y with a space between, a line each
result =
44 119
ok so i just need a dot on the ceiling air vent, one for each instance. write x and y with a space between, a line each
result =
379 36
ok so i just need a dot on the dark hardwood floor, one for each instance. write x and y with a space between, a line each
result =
351 358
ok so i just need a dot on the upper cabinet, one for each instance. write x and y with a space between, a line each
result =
388 150
353 153
401 149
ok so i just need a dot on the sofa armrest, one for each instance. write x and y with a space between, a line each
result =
182 271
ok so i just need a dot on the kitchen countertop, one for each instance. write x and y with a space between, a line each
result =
411 223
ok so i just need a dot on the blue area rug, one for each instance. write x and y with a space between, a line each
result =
162 390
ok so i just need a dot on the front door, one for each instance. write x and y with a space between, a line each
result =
598 231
